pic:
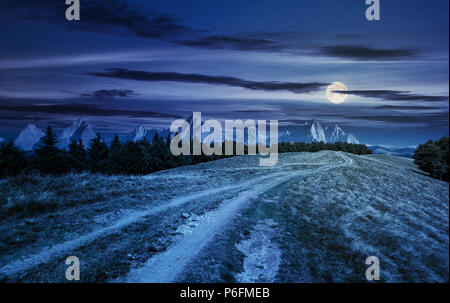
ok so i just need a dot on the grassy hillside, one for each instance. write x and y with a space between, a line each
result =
314 217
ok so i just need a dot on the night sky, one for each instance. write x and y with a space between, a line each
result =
127 63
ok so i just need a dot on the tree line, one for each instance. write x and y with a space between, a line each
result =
128 158
358 149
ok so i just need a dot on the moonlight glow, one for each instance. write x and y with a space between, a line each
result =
335 97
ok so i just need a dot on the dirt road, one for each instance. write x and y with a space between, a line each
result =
165 267
190 246
230 220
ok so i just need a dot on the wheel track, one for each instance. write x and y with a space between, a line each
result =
45 256
167 266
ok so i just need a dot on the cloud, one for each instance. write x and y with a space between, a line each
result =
393 95
254 111
234 43
111 16
111 93
405 107
119 73
367 53
128 18
83 109
431 118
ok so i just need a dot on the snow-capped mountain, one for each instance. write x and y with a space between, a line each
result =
310 131
352 139
316 132
141 132
338 135
138 134
79 130
28 138
285 136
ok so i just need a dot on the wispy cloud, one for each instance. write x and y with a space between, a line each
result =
131 19
294 87
234 43
429 118
111 93
393 95
358 52
406 107
109 16
83 109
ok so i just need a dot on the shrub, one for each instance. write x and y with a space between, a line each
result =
433 158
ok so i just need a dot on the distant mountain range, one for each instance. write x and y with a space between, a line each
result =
311 132
314 131
140 133
407 152
81 130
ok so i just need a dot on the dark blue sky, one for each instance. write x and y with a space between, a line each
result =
147 62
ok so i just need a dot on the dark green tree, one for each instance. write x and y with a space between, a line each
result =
12 160
132 159
98 156
49 159
433 158
77 156
115 150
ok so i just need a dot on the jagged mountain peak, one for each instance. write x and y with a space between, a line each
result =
137 134
80 121
28 138
317 132
338 135
337 128
79 130
352 139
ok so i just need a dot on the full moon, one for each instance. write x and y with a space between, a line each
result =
335 97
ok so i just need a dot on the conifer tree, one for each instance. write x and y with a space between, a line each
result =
133 159
98 155
115 150
77 156
12 160
50 160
